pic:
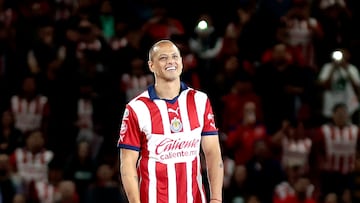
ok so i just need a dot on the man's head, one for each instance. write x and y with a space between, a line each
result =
29 86
340 115
35 141
165 61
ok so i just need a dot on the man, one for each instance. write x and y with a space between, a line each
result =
335 147
161 132
30 108
340 83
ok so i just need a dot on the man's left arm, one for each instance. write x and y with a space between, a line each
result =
215 168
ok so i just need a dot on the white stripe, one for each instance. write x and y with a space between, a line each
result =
200 99
32 106
189 186
15 104
200 183
143 116
172 182
161 104
184 112
152 181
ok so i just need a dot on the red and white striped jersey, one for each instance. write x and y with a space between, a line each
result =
31 167
296 152
167 133
28 114
45 192
284 191
340 147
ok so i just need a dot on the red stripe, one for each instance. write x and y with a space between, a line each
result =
162 183
144 180
192 112
24 156
195 189
332 156
173 115
156 120
181 178
42 157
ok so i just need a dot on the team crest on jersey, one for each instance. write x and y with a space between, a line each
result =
176 125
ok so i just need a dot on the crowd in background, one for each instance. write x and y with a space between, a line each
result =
286 108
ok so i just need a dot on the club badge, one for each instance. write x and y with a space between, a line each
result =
175 125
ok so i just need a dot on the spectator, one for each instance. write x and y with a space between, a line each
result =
88 123
161 25
7 187
29 107
303 31
80 168
67 192
296 188
340 83
335 18
10 137
47 191
294 144
46 56
107 20
206 43
31 163
137 80
263 168
105 188
240 142
335 147
281 86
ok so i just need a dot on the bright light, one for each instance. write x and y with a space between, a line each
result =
337 55
202 25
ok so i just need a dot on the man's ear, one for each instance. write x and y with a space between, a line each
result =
150 63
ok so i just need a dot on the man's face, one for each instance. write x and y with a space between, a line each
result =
29 85
341 116
166 62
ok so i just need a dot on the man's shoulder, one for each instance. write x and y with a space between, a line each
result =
139 98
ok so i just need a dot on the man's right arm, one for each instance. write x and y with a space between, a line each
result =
129 176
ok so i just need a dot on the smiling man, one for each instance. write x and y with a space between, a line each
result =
161 134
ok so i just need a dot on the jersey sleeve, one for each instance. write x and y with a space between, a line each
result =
129 135
209 120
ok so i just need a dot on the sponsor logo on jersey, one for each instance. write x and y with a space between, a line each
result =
176 111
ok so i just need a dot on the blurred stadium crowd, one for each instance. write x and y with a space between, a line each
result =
282 76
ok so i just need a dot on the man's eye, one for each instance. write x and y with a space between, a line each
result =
163 58
175 57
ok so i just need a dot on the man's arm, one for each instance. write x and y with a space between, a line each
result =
129 176
215 169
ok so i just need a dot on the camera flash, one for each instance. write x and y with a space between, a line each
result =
337 55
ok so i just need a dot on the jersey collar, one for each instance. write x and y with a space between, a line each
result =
153 95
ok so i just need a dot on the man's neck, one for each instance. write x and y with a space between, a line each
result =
167 90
